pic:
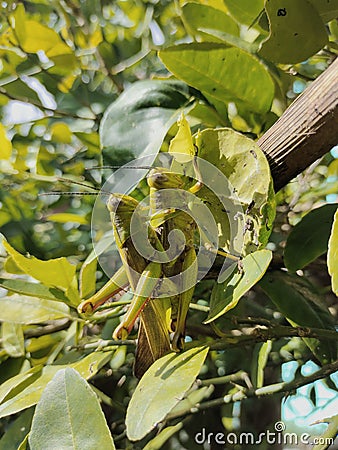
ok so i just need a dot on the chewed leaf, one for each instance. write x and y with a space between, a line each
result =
160 389
242 200
226 295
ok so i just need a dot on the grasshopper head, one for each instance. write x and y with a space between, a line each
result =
161 178
121 203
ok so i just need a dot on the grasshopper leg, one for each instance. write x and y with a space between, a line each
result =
145 286
118 282
189 268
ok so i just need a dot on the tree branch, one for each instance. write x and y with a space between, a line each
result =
306 130
271 389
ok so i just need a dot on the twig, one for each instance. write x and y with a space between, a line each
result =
57 325
272 389
276 332
102 344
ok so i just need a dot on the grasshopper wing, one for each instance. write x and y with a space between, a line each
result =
153 336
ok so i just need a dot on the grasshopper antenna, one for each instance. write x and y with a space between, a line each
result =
119 167
78 183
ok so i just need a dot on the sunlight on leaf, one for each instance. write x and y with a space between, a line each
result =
160 389
69 413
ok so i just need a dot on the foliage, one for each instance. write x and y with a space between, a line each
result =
86 83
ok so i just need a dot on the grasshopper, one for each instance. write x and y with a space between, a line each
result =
145 276
163 274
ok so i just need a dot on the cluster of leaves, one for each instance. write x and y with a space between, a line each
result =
84 69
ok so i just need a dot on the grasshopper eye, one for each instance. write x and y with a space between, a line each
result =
113 203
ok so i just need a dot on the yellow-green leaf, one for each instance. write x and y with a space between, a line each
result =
24 390
12 339
160 389
55 272
17 20
182 145
61 133
39 37
5 144
227 294
332 255
27 310
88 277
67 217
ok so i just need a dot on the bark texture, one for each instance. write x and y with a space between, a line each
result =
306 130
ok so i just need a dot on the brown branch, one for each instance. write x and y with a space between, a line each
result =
306 131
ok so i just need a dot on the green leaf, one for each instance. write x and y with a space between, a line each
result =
69 413
29 310
309 238
12 339
137 122
88 277
32 289
332 255
59 272
21 91
160 389
226 74
17 19
292 39
25 390
17 431
5 144
302 307
227 294
245 11
196 15
250 204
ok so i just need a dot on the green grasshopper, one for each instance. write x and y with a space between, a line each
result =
161 304
144 276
